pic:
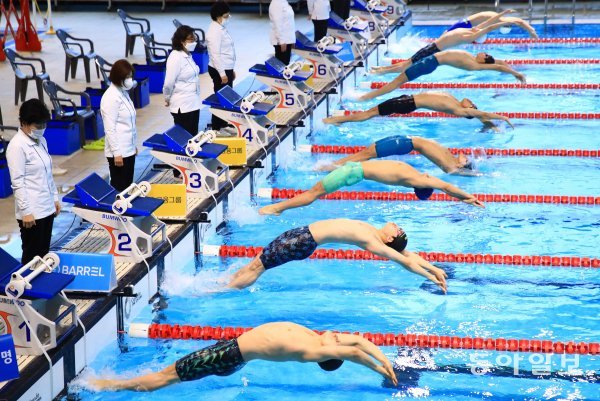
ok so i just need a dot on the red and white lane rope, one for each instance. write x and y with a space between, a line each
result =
510 114
482 85
348 150
240 251
189 332
531 41
542 61
286 193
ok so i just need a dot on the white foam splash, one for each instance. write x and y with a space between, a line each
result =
407 45
206 281
243 213
352 94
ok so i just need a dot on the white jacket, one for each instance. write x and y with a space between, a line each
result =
318 9
221 52
283 27
118 116
182 83
30 168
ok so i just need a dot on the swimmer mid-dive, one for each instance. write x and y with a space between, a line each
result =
436 101
453 38
299 243
403 145
390 172
479 18
454 58
276 342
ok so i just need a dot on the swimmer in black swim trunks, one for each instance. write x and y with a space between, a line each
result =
277 342
454 58
402 145
453 38
299 243
436 101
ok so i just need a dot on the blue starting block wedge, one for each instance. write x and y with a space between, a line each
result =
361 5
44 286
304 43
175 140
336 22
95 193
273 67
228 99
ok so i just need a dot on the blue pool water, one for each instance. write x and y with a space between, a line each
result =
378 296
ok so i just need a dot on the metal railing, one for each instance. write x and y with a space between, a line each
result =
530 10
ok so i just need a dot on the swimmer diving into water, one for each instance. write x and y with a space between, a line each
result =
276 342
436 101
403 145
454 58
299 243
451 38
390 172
479 18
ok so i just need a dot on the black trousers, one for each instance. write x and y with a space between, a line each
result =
320 28
36 240
284 56
341 8
121 177
216 122
189 121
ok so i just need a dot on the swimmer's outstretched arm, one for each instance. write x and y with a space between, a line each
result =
482 116
492 20
440 274
427 181
305 198
366 346
387 88
149 382
502 67
477 34
522 23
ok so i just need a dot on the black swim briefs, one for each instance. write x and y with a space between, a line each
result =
221 359
426 51
294 244
399 105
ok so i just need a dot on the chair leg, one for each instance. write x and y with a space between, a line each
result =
86 67
74 62
67 68
24 83
131 44
95 126
97 69
17 90
40 89
81 123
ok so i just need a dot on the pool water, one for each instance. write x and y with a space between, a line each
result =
378 296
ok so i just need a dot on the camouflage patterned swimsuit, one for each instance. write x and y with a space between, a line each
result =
221 359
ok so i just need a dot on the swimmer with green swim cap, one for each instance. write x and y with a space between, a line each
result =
276 342
388 172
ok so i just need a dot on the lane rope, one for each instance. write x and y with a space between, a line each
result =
492 85
286 193
517 115
348 150
189 332
530 61
529 41
241 251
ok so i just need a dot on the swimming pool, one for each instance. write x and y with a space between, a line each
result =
377 296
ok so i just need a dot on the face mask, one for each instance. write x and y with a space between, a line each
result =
191 46
225 21
37 134
128 83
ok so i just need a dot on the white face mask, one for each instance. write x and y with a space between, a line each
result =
37 134
225 21
191 46
128 83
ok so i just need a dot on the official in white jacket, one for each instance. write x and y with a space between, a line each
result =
318 12
30 168
221 53
182 82
283 29
118 116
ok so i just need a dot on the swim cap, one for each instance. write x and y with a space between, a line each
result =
399 242
423 193
330 364
489 59
505 29
481 39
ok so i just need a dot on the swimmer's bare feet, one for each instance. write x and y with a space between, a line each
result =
269 210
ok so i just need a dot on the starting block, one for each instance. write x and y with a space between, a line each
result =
352 30
127 216
374 13
290 84
394 9
248 115
326 66
33 307
195 157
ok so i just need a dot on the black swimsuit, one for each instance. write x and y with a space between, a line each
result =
399 105
294 244
221 359
427 51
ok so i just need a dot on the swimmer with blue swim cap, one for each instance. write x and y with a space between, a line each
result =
449 39
399 145
453 58
300 243
390 172
276 342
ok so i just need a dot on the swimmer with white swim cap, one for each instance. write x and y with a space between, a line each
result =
276 342
299 243
453 38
